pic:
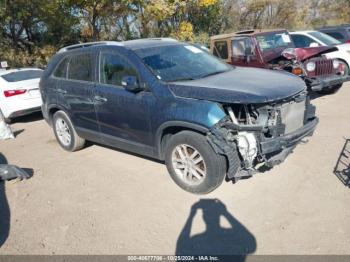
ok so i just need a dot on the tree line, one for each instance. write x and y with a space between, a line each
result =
33 30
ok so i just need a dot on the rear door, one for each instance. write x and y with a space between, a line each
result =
75 93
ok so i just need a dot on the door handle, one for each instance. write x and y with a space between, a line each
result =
100 99
61 91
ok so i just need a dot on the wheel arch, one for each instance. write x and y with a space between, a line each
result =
52 110
344 61
170 128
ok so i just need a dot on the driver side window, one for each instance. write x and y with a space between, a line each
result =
113 68
242 47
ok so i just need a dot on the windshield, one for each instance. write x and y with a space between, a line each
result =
22 75
274 40
327 39
181 62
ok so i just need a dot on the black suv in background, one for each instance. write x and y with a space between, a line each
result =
339 32
175 102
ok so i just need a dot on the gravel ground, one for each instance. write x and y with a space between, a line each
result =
103 201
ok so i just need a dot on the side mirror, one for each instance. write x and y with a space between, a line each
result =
131 84
314 44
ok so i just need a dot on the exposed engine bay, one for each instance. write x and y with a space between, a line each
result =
253 136
281 63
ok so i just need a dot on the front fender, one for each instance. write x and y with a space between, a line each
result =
197 115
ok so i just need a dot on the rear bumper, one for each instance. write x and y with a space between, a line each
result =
321 83
24 112
279 143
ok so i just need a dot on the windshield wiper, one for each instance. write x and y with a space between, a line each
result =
202 76
213 73
182 79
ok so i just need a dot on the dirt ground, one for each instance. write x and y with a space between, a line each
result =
102 201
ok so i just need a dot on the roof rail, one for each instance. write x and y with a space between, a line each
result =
85 45
163 38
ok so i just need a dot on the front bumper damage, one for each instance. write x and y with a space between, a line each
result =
321 83
270 150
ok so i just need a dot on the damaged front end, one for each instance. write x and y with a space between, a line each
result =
254 137
318 72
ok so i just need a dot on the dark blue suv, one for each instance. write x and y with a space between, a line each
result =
173 101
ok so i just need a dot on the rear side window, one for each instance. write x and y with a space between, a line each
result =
113 67
61 70
80 68
22 75
220 49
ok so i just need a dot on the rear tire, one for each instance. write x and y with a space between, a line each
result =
193 164
65 133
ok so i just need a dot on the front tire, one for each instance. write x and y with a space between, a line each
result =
65 133
193 164
335 88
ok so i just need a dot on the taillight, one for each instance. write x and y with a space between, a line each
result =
348 41
9 93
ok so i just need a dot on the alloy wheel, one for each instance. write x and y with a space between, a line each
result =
189 164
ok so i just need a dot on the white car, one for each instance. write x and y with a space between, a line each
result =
19 92
316 38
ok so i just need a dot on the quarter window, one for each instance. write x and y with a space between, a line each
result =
80 67
113 68
220 49
61 70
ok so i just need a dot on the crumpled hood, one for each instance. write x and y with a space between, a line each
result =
241 85
309 52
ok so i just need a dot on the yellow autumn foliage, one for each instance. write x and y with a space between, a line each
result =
184 32
159 9
206 3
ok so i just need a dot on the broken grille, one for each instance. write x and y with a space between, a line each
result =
292 115
324 67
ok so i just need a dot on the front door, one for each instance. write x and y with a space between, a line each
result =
244 53
123 115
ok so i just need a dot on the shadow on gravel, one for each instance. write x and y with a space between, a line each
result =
215 240
4 209
89 144
17 132
8 172
36 116
314 95
342 168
